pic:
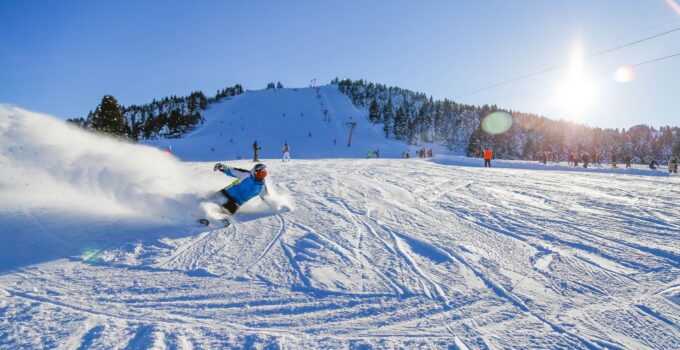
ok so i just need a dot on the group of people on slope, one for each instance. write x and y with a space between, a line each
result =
672 164
422 153
373 154
586 160
257 148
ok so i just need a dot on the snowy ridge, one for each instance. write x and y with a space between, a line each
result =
98 249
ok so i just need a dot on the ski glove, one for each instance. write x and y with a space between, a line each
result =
219 166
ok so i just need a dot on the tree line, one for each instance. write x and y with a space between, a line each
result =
415 118
169 117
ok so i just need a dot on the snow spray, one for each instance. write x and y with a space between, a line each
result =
47 162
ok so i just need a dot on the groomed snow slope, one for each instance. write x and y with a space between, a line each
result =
382 253
274 116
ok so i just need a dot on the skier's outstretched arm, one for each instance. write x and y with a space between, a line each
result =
235 172
265 195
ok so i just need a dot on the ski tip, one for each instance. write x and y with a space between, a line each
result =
204 222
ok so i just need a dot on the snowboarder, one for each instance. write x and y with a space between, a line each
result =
487 157
286 152
673 165
248 184
654 164
256 152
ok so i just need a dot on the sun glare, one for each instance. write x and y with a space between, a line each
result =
577 92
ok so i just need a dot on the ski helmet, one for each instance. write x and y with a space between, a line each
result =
260 171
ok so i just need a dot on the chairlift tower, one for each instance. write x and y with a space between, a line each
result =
351 125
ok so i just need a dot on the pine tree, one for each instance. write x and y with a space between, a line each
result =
676 149
108 118
387 116
271 85
400 124
279 85
374 112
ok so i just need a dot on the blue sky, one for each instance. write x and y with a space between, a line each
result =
61 57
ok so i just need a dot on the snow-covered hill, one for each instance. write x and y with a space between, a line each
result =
98 249
312 120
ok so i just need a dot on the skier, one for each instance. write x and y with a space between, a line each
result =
487 157
627 159
247 185
429 153
654 164
614 160
673 165
584 159
256 152
286 152
369 155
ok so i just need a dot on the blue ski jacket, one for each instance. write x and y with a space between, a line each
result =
245 187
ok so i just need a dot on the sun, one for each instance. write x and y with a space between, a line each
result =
576 93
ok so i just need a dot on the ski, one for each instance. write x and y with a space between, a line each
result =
206 222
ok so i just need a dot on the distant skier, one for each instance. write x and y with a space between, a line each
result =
585 159
487 157
256 152
286 152
614 160
369 155
627 159
248 184
429 153
673 165
654 164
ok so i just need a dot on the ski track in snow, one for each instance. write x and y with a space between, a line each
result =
381 253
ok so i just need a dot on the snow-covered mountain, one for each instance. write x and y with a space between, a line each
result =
99 248
314 121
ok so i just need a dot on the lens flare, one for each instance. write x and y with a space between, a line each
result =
624 74
674 5
497 123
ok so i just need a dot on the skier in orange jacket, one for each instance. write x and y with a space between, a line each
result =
487 157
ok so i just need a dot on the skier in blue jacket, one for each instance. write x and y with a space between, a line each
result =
247 185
